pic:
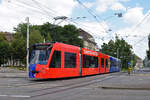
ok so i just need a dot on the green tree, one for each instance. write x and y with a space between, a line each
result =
124 51
35 37
70 35
45 29
21 28
4 49
18 46
148 51
109 48
48 38
38 33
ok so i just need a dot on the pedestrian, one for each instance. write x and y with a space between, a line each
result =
129 70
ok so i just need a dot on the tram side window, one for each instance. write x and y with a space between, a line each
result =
115 63
102 62
56 60
90 61
106 62
111 63
70 60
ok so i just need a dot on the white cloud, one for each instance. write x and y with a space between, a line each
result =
89 4
118 6
104 5
138 31
133 15
124 0
97 30
15 11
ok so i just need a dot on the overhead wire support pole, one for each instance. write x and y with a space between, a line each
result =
27 57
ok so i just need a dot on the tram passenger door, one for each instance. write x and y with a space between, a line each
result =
106 65
71 63
102 65
55 66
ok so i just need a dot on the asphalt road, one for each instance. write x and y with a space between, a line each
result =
113 86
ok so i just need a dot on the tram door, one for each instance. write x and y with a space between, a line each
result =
64 62
102 63
106 64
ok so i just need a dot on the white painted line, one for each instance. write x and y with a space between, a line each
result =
16 96
20 96
3 95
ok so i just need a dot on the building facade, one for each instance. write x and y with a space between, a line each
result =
88 40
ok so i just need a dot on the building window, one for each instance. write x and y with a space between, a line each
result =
90 61
70 60
102 62
56 60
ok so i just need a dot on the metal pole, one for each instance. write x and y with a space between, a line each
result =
118 53
27 59
117 56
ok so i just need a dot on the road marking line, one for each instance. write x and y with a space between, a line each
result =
16 96
3 95
20 96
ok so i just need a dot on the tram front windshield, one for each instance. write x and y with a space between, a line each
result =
40 55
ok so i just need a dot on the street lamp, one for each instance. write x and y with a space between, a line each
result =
118 14
60 17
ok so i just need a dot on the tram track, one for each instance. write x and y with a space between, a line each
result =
67 87
74 83
38 82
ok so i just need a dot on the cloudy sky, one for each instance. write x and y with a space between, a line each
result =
98 17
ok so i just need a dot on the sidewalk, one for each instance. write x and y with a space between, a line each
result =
12 73
138 81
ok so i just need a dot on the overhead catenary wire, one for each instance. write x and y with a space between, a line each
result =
51 10
41 9
85 28
29 6
144 18
140 22
92 14
19 4
139 41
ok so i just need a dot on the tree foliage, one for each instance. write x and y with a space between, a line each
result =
42 33
148 51
35 37
123 49
18 46
4 48
67 34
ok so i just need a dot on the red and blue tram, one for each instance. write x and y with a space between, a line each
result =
59 60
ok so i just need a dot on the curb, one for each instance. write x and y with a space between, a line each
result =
125 88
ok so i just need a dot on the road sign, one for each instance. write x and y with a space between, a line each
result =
129 63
